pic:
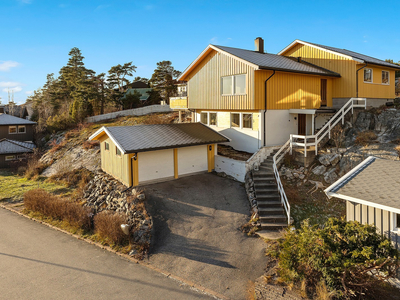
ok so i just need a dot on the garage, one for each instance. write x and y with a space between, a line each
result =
144 154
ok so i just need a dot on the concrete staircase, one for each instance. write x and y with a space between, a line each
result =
271 213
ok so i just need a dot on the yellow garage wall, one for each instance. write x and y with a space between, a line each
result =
204 83
376 89
344 87
289 90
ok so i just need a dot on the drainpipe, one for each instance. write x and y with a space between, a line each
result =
366 64
265 111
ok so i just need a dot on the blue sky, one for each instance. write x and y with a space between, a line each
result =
38 34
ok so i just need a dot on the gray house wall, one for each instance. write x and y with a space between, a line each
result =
382 219
23 137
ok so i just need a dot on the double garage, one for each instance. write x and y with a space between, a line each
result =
144 154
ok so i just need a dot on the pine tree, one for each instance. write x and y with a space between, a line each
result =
164 80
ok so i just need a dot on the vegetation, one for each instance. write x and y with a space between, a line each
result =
164 79
366 137
343 259
107 225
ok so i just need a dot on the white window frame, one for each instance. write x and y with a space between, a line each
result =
10 157
372 75
9 130
394 223
209 119
251 125
22 126
233 91
388 83
241 120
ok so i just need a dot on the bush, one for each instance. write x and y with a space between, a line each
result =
107 225
341 254
74 178
33 167
39 200
364 138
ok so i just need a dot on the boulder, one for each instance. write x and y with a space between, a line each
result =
324 159
319 170
330 176
334 159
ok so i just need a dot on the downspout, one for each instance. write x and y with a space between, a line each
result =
265 105
366 64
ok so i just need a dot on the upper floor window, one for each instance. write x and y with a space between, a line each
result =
385 77
21 129
106 146
367 75
12 129
204 118
118 151
233 85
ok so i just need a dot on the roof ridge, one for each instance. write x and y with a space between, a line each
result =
14 142
318 67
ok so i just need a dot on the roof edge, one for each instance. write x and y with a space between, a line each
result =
108 133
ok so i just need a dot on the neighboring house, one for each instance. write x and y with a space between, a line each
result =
258 99
147 153
13 150
372 194
16 111
14 128
140 87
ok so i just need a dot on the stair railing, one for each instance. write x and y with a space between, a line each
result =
276 159
313 140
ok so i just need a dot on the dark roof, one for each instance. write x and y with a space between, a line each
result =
142 138
269 61
11 120
377 181
16 111
365 58
138 84
10 147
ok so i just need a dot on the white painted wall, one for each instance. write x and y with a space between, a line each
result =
192 159
156 165
280 124
232 167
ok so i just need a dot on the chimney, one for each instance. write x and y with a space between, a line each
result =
259 43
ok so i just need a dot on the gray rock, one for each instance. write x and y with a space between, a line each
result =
335 159
319 170
324 159
141 197
330 176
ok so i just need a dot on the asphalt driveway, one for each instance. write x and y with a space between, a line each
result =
197 236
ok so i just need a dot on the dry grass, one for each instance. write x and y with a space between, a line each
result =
398 150
107 225
159 119
90 144
38 200
34 167
366 137
251 291
55 147
322 292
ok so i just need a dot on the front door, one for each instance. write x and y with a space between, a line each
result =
301 127
323 91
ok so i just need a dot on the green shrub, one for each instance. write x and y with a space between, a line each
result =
107 224
341 254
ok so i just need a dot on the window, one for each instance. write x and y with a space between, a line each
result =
118 151
385 77
22 156
234 85
106 146
12 129
213 119
367 75
397 221
235 120
10 157
248 121
21 129
204 118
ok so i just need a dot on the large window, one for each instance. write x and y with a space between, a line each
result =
213 119
367 75
235 120
234 85
248 121
385 77
10 157
21 129
204 118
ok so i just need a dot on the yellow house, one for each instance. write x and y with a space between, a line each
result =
258 99
143 154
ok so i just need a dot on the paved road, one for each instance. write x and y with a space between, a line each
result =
197 220
37 262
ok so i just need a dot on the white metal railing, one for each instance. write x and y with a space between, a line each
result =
313 140
276 159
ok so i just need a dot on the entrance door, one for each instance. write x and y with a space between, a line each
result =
323 91
301 127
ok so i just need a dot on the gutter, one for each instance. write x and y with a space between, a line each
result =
366 64
265 110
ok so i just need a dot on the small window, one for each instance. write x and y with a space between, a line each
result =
397 220
213 119
235 120
204 118
21 129
118 151
106 146
10 157
240 84
21 156
248 121
385 77
227 85
12 129
368 75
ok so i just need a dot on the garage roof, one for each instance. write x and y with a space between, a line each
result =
141 138
10 147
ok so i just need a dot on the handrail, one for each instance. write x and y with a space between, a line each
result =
276 159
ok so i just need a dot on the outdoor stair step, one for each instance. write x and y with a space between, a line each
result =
269 203
266 190
268 211
273 218
271 225
267 167
268 197
261 184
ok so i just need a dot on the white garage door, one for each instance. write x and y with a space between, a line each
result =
192 159
155 165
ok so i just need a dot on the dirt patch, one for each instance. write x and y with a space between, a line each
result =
228 151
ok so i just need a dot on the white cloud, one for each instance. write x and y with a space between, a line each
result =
7 65
9 84
29 93
15 89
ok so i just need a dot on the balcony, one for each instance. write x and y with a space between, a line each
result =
178 102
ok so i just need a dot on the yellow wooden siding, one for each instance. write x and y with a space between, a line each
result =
289 91
344 87
204 84
176 163
376 89
211 157
178 103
